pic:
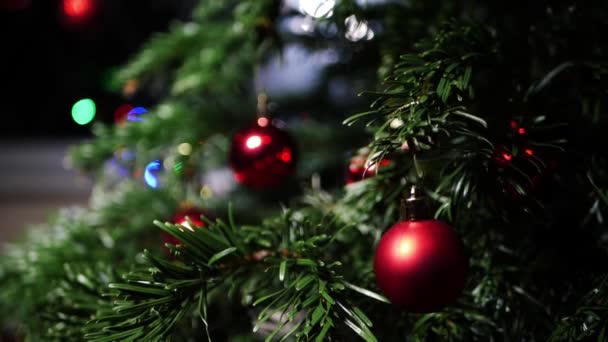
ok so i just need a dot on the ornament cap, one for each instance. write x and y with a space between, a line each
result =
414 207
262 106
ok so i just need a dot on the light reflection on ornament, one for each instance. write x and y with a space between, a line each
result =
529 152
134 114
317 8
151 173
405 248
253 142
507 156
357 30
186 224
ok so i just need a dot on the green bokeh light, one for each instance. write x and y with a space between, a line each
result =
83 111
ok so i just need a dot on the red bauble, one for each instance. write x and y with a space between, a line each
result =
262 155
421 265
181 218
359 167
358 171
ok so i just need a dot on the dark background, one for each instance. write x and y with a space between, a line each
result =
49 60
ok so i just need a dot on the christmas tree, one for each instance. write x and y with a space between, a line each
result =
339 170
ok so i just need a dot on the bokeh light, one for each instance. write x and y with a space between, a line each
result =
83 111
317 8
357 30
151 173
135 114
122 112
184 149
77 9
253 142
263 122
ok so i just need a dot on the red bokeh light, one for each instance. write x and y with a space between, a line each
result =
529 152
77 9
263 122
507 156
521 131
121 113
286 155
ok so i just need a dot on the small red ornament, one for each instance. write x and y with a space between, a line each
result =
420 264
360 169
121 113
181 218
262 155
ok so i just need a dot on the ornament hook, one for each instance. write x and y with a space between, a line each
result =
262 105
414 207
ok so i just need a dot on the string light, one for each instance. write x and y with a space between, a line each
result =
83 111
135 114
151 173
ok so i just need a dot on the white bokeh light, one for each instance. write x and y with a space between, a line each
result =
317 8
357 30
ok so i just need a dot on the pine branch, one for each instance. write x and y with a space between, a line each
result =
283 258
215 56
590 320
51 282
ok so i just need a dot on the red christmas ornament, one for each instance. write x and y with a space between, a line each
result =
121 113
181 218
420 264
262 155
359 169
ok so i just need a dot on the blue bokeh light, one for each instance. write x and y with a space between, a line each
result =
151 173
135 114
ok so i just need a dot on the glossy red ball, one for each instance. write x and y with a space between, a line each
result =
262 155
357 170
421 265
182 218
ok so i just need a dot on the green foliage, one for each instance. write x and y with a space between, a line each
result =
529 205
215 55
54 282
589 322
278 267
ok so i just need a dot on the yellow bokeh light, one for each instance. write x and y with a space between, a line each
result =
184 149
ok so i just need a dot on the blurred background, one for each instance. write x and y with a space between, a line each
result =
57 63
53 54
